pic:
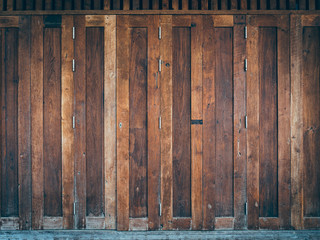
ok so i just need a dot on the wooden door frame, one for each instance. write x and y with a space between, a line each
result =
297 22
282 25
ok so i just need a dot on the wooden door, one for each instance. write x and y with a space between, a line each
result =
94 122
138 133
203 139
268 110
305 118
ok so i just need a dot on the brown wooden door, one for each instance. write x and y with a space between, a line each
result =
138 133
203 153
305 150
268 109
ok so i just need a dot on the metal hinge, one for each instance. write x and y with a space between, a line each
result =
245 65
245 32
73 122
160 209
73 33
246 121
246 208
73 65
160 62
159 33
159 122
74 208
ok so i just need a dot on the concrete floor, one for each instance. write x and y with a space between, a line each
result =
102 234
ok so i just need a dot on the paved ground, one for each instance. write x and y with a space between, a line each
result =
88 234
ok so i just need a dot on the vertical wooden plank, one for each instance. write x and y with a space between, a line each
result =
2 101
196 114
37 120
282 4
155 5
234 5
204 4
312 4
80 115
239 131
9 161
292 4
284 165
145 4
38 5
243 4
67 5
138 136
48 4
224 133
9 5
273 4
77 5
214 4
87 4
29 5
94 120
297 122
96 5
126 4
185 4
165 4
24 138
311 121
106 5
208 124
175 4
58 5
302 4
67 98
116 5
1 5
166 116
224 5
181 117
153 93
135 4
110 124
253 5
194 4
253 128
52 124
263 4
268 135
19 5
122 123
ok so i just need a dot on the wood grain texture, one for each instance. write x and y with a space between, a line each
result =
302 4
282 4
165 4
194 4
135 4
126 4
10 5
204 5
311 121
209 156
297 122
87 4
263 5
273 4
138 136
166 118
268 130
58 5
48 4
122 123
37 121
107 4
175 4
196 131
253 128
253 5
77 5
19 5
52 123
116 5
68 5
224 5
284 165
312 4
239 130
94 121
80 115
67 107
39 5
9 21
214 5
9 123
224 133
24 118
181 115
154 154
234 5
155 4
97 4
243 4
145 4
185 5
292 4
110 124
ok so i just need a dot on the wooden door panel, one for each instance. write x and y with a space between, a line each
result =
268 126
305 210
